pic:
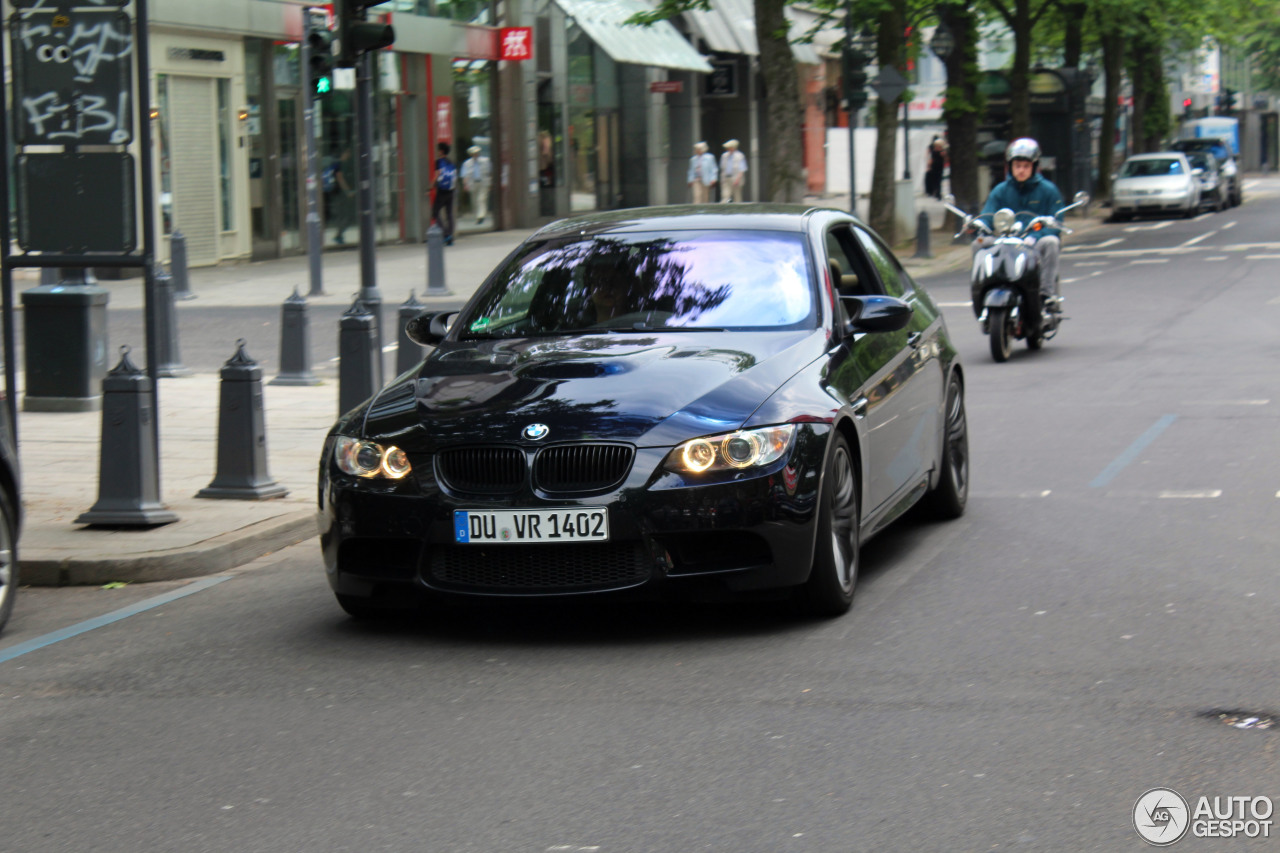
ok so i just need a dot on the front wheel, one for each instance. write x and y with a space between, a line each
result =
1000 322
8 558
829 590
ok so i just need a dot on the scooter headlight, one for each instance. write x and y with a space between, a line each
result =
1003 220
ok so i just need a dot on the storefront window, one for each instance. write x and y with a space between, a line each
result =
582 123
161 129
226 117
469 11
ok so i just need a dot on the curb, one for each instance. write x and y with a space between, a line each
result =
218 554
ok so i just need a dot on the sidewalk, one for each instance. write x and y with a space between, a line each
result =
60 451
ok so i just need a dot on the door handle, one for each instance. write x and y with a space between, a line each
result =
859 407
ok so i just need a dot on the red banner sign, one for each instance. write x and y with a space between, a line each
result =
444 119
667 87
517 44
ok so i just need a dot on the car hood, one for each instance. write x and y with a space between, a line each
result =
653 389
1154 182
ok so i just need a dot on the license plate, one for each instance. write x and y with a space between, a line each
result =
522 527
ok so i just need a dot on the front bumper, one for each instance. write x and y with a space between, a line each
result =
393 543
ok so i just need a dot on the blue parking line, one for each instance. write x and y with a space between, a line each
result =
1131 453
114 616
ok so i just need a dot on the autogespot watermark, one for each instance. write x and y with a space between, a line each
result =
1162 816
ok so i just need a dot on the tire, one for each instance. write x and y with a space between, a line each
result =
948 499
8 558
834 575
998 322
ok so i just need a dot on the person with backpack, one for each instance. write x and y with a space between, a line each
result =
338 208
445 184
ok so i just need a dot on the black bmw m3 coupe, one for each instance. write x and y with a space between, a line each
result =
677 401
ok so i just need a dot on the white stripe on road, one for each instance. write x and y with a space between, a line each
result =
1155 226
1104 244
1195 240
1262 257
1193 494
1149 261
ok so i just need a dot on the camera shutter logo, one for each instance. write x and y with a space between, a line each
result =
536 432
1161 816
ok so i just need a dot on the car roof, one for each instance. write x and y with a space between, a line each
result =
690 217
1158 155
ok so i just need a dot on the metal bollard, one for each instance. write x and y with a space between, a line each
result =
358 357
922 236
242 435
408 353
64 331
128 469
435 262
295 344
178 266
168 361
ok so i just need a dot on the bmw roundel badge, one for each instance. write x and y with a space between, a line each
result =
536 432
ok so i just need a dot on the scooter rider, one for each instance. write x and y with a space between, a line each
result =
1030 194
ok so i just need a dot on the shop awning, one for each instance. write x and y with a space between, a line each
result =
730 27
659 45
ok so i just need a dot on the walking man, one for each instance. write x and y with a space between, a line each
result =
733 171
477 176
446 180
702 173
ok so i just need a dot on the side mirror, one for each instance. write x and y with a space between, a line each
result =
1081 197
875 313
429 328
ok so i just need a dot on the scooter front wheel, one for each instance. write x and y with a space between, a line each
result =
1000 323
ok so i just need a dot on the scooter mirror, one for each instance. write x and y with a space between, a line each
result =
1081 197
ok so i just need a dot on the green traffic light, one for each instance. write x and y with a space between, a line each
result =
324 85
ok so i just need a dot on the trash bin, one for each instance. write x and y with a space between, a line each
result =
64 347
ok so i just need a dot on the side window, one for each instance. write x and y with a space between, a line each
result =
893 277
850 275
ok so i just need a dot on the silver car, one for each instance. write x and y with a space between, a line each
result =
1213 184
1155 183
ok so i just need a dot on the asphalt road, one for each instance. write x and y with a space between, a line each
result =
1012 680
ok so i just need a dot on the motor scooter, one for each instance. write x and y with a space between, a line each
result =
1005 279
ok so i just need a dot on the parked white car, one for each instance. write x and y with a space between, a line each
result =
1155 183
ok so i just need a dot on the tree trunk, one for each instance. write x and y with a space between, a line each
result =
781 104
882 214
1019 88
963 106
1112 69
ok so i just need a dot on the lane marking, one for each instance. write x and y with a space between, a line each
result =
1155 226
1136 261
1195 240
1192 494
1104 244
1132 452
1094 264
1225 402
1231 224
114 616
1216 258
954 304
1262 257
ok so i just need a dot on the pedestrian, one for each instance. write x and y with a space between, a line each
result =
338 207
937 166
446 180
733 171
477 176
702 173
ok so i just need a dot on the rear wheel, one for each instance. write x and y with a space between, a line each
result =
8 558
829 590
948 498
1000 323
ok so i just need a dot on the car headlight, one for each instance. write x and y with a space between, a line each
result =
362 458
734 450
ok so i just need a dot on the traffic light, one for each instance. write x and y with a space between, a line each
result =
320 59
356 34
855 77
1186 105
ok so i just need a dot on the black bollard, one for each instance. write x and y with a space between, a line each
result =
295 344
242 435
358 357
922 236
128 470
435 262
168 361
178 266
408 353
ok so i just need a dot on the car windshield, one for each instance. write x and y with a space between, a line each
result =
1199 160
1151 168
645 281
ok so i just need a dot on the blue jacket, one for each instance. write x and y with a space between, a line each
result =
1037 196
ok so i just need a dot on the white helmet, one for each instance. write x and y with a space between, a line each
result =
1025 148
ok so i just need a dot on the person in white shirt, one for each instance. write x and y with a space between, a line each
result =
477 177
733 170
702 173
